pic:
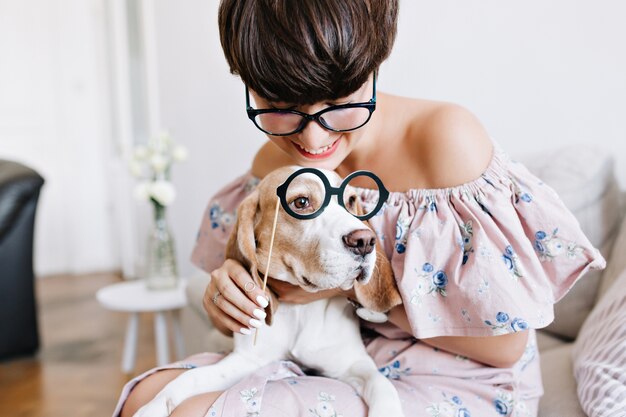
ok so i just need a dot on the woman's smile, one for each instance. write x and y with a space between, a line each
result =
320 153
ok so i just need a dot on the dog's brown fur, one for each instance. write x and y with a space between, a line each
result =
250 239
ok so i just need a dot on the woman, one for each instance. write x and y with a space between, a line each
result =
480 248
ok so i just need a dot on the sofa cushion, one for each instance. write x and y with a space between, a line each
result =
547 341
559 398
599 355
196 285
584 179
618 260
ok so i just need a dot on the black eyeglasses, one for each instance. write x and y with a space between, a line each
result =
299 200
340 118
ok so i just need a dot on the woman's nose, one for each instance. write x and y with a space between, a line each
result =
314 135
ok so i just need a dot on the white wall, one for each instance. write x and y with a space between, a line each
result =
538 74
54 118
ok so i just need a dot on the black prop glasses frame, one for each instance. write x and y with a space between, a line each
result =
330 191
305 118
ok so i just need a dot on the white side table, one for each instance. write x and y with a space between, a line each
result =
133 297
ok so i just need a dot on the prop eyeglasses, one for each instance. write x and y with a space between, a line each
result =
330 191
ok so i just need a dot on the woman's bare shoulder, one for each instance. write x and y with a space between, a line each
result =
449 143
267 159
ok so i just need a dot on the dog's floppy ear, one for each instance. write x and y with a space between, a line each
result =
381 292
241 244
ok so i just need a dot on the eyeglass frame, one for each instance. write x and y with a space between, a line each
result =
369 105
331 191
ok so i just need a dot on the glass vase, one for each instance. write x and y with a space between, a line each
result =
161 270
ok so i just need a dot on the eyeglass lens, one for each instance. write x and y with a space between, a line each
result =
337 119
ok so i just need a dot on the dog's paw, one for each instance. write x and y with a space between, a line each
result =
160 406
388 409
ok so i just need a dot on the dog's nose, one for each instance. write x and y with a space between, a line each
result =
360 242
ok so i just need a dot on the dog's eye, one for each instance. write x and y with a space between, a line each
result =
301 203
351 201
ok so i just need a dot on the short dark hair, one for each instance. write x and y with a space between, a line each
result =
306 51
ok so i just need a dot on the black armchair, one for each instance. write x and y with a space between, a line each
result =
19 193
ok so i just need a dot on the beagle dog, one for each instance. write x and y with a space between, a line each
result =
333 250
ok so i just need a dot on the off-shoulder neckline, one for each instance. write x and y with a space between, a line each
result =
493 174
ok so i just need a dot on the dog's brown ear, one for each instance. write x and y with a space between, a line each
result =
241 245
381 292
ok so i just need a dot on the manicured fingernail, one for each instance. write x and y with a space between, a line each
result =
262 301
259 313
245 331
256 323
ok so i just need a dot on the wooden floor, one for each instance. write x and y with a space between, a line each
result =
77 370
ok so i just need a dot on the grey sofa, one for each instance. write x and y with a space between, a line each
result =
584 178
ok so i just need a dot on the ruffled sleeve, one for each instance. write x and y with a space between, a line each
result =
485 258
218 221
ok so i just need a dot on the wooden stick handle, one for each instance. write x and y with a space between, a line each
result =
269 256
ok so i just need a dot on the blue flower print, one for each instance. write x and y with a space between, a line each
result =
482 206
393 371
526 198
552 246
504 324
467 233
324 406
520 194
512 262
450 406
402 229
501 407
506 405
440 279
429 283
429 204
251 402
251 185
502 317
219 218
519 325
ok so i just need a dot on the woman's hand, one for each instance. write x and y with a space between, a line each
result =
233 301
295 295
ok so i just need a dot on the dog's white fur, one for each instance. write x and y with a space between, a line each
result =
324 334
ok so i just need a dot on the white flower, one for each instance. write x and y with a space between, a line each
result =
163 192
135 168
440 410
555 246
160 142
142 191
180 153
141 152
158 162
325 409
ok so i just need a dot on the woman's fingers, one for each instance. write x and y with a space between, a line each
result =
229 290
226 301
237 320
247 284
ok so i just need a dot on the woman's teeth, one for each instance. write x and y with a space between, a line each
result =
315 152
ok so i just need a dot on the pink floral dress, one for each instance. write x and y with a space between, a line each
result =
484 258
